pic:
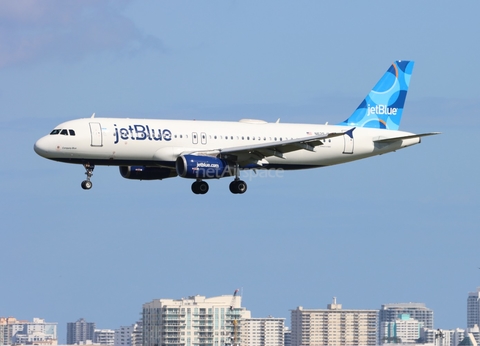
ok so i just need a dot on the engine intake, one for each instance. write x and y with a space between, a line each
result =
146 173
202 167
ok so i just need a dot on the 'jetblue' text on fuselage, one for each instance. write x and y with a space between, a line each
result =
141 133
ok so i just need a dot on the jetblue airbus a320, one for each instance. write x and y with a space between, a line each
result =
148 149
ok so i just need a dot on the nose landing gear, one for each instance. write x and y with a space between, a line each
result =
87 184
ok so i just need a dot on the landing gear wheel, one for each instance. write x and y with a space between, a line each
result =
200 187
238 186
87 184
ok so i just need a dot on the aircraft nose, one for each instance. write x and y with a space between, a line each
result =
41 147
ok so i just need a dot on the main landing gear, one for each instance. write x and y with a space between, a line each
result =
87 184
200 187
237 186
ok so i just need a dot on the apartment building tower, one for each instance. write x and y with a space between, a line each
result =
129 335
262 331
104 337
334 326
80 331
403 330
417 311
194 321
473 308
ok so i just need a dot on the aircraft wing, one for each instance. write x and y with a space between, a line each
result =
394 139
257 152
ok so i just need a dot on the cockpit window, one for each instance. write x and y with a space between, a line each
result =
55 132
72 133
64 132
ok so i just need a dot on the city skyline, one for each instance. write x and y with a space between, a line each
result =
401 227
82 331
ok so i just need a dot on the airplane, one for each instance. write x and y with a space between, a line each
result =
156 149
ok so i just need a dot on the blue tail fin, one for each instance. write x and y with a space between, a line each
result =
383 106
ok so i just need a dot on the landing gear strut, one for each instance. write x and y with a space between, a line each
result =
87 184
200 187
238 186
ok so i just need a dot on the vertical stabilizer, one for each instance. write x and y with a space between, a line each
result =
383 106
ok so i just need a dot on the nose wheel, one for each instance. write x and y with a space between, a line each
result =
87 184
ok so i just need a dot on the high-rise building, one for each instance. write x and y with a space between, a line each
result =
442 337
417 311
334 326
104 336
287 336
80 332
403 330
193 321
262 331
473 308
129 335
13 331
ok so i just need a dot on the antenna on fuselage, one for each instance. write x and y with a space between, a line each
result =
278 120
93 116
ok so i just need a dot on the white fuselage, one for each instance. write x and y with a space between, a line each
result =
150 142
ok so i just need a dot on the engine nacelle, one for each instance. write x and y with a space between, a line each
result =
202 167
146 173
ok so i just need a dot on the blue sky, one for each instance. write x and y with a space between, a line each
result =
401 227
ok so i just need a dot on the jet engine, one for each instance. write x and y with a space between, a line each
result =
202 167
146 173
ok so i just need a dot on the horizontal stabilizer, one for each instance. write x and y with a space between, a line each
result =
394 139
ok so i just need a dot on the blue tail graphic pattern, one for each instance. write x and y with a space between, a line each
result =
383 106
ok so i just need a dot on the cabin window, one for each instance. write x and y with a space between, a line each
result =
55 132
181 136
71 132
243 138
